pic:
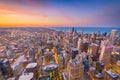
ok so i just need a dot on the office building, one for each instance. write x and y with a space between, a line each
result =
105 54
95 48
85 44
52 70
48 57
32 67
66 57
5 68
61 61
27 76
112 36
74 52
75 70
79 43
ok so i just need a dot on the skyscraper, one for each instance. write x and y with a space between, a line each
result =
5 68
79 43
95 48
112 36
75 70
85 44
74 52
105 54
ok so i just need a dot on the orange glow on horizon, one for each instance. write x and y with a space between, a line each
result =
10 16
28 13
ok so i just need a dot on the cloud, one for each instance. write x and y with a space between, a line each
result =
53 9
7 10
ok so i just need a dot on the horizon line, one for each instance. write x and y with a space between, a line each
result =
55 26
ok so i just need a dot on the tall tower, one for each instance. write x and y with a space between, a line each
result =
105 54
112 36
79 43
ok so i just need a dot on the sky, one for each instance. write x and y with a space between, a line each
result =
59 13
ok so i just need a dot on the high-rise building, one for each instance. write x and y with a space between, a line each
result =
75 70
66 57
27 76
85 47
95 48
105 54
75 40
74 32
32 67
32 53
74 52
92 37
48 57
52 70
112 36
99 66
61 61
79 43
5 68
85 44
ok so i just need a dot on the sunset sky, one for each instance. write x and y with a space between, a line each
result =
59 13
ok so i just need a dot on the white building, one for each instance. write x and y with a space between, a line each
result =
112 36
106 54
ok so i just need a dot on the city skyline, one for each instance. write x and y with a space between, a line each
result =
61 13
59 39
